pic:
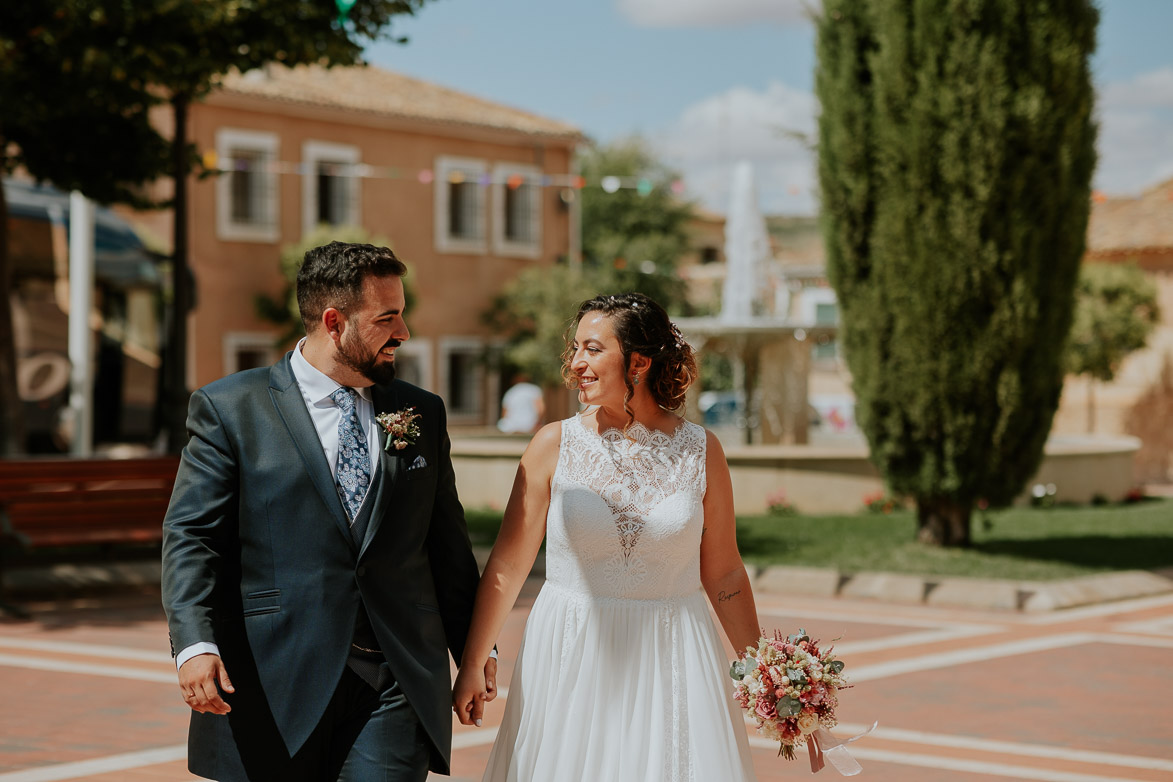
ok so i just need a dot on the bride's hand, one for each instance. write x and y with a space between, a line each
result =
468 695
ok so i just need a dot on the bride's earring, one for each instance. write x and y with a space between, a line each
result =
635 379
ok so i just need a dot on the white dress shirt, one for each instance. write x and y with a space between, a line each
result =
316 389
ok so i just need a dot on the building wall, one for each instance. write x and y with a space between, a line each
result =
453 289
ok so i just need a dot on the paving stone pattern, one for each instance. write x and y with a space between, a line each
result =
1075 695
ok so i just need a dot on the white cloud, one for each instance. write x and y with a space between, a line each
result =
1153 89
701 13
773 129
709 137
1136 133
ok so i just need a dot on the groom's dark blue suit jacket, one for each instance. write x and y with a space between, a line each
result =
258 558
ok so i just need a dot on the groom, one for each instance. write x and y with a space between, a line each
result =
316 576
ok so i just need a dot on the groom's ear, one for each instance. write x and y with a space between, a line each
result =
333 321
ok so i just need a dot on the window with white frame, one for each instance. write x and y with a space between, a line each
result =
248 350
247 188
330 186
517 210
413 362
462 377
460 205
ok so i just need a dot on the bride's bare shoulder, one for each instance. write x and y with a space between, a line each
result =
544 444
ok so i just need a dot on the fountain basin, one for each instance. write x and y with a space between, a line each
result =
819 479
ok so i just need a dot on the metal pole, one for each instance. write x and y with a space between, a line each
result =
574 248
81 297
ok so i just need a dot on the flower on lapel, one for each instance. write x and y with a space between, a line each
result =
400 426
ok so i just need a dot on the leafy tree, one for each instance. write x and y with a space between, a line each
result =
75 112
638 232
1115 311
631 240
283 311
186 46
172 51
956 147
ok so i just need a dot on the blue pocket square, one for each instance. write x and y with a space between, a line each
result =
419 463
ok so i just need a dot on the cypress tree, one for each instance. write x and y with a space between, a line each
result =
956 148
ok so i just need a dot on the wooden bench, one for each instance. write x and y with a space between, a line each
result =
73 502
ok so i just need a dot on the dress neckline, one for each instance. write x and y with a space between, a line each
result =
644 433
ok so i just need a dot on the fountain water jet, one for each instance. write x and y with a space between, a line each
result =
770 351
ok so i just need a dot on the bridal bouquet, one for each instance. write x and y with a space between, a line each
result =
789 687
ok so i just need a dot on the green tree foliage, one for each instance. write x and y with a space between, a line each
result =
1115 311
956 147
283 309
631 240
171 51
74 112
640 232
187 46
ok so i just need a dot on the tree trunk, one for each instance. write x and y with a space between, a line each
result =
942 521
1091 405
11 419
176 392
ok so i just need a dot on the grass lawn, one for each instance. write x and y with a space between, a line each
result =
1020 543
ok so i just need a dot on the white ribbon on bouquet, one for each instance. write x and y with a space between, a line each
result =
822 744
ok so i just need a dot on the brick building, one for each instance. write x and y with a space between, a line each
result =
468 193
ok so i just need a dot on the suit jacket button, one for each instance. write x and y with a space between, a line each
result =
362 571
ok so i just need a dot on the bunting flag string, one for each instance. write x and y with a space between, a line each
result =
426 176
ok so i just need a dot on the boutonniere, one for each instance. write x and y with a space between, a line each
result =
400 426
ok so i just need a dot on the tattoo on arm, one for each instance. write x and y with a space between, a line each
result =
724 596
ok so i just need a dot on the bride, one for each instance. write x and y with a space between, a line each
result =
621 674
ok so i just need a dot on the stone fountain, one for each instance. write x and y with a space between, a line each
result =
769 349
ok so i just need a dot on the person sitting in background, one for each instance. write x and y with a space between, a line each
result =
522 407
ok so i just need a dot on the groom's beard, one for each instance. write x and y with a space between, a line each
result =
366 362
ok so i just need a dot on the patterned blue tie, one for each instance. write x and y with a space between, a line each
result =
353 471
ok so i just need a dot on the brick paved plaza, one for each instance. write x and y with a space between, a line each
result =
1076 696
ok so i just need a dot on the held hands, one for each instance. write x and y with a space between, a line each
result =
198 680
472 690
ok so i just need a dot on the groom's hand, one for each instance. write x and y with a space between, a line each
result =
200 680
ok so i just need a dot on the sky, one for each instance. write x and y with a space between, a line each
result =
709 83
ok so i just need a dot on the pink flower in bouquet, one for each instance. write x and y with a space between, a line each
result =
766 710
815 695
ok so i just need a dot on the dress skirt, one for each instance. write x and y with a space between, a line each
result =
620 689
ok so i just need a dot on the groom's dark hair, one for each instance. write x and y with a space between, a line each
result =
332 276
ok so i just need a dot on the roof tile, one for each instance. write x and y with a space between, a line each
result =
371 90
1140 223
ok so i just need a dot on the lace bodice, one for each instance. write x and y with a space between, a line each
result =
626 512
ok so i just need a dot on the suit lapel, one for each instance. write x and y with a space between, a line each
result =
385 401
290 404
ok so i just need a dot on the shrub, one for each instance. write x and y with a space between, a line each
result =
881 502
778 505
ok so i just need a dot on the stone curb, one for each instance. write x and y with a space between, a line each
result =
961 591
941 592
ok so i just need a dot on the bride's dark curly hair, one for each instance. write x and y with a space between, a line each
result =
642 326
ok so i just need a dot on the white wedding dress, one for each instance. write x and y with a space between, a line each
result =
621 676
